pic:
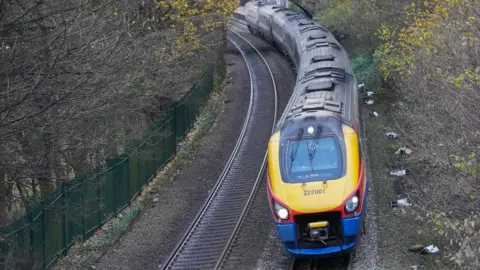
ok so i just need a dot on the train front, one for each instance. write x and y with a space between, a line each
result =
316 186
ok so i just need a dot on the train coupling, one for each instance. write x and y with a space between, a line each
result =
318 231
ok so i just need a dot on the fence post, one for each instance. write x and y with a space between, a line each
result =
31 239
125 166
165 152
185 114
64 219
84 218
44 238
173 129
195 105
99 194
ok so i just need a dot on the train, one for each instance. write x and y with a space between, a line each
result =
317 185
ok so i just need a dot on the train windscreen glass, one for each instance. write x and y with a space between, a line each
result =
313 159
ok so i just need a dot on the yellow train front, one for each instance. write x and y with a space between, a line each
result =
316 183
316 186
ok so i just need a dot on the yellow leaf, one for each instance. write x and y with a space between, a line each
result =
458 82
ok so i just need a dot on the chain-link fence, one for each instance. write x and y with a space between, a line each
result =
81 206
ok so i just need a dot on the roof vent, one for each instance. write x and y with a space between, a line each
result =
322 104
310 28
322 58
317 36
323 44
321 86
305 22
314 71
326 74
314 104
333 106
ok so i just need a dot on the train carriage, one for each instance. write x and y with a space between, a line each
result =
316 176
252 16
265 21
278 31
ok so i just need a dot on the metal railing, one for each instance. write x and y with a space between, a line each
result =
81 206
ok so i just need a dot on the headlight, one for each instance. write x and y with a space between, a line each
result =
280 211
352 204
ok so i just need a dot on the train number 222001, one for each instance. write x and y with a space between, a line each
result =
313 192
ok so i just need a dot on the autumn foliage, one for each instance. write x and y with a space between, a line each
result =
427 54
434 62
194 19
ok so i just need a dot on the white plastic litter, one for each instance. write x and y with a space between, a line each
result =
430 250
361 86
400 172
401 203
374 114
391 135
403 150
369 102
369 93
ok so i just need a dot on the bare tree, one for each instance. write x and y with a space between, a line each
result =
78 80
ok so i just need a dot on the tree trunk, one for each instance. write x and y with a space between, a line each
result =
47 179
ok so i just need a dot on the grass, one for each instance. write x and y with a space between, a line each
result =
84 255
364 67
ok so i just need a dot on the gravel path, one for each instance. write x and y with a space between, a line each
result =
158 230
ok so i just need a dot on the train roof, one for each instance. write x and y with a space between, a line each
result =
323 56
270 9
326 86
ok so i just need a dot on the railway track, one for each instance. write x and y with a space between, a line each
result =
321 264
209 237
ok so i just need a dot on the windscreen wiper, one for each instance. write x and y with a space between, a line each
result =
313 147
293 153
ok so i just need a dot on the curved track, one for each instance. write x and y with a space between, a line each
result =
308 264
225 255
210 235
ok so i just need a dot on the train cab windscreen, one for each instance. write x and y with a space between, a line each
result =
312 159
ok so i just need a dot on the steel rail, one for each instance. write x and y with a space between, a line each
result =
212 208
260 174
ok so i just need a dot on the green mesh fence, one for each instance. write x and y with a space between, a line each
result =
81 206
